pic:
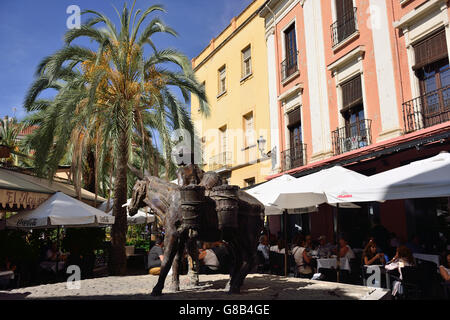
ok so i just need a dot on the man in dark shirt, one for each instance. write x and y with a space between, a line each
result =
380 235
156 256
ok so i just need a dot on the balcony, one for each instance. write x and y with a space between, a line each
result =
351 137
344 27
293 158
427 110
289 66
220 162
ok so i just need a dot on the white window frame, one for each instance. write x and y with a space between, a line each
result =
245 60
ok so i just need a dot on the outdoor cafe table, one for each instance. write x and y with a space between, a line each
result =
331 263
7 274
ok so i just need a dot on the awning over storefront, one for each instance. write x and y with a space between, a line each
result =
18 193
20 190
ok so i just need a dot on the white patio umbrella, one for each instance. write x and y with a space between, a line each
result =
267 192
309 190
60 210
141 217
429 178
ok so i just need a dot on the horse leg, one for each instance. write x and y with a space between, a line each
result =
193 253
233 284
248 264
170 250
177 264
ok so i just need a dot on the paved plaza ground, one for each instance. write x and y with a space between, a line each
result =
212 287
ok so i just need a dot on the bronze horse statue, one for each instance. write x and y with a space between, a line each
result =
201 208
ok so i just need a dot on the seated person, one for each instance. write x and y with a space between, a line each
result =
325 248
302 259
344 249
53 255
7 265
279 247
403 258
156 256
263 248
444 269
370 255
209 263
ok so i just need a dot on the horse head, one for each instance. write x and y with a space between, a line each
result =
137 197
188 174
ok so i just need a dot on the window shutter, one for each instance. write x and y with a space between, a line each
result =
430 50
351 93
294 117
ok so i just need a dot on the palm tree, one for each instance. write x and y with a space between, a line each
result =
111 96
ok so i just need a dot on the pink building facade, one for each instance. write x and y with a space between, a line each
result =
362 84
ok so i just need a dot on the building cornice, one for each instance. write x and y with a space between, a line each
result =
227 39
419 12
358 52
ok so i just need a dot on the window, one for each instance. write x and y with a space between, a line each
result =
203 87
433 71
203 149
246 62
294 156
249 130
249 182
345 24
353 111
289 65
222 80
223 139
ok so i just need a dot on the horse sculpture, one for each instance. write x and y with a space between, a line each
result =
201 208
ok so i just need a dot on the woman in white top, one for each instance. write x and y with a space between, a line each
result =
299 254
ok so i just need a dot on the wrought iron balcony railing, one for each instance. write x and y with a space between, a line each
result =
289 66
344 27
427 110
220 161
294 157
351 137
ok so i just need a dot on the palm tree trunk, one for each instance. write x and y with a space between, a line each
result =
119 229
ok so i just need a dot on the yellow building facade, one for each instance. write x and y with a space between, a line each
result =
233 69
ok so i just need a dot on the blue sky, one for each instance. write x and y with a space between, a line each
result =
31 30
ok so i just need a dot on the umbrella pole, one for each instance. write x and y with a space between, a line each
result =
285 244
57 253
338 262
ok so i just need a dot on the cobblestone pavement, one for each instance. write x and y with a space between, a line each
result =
212 287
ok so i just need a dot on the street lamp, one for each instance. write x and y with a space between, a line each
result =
262 146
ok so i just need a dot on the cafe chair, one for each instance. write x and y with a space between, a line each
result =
429 278
410 282
261 264
276 261
293 268
446 289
